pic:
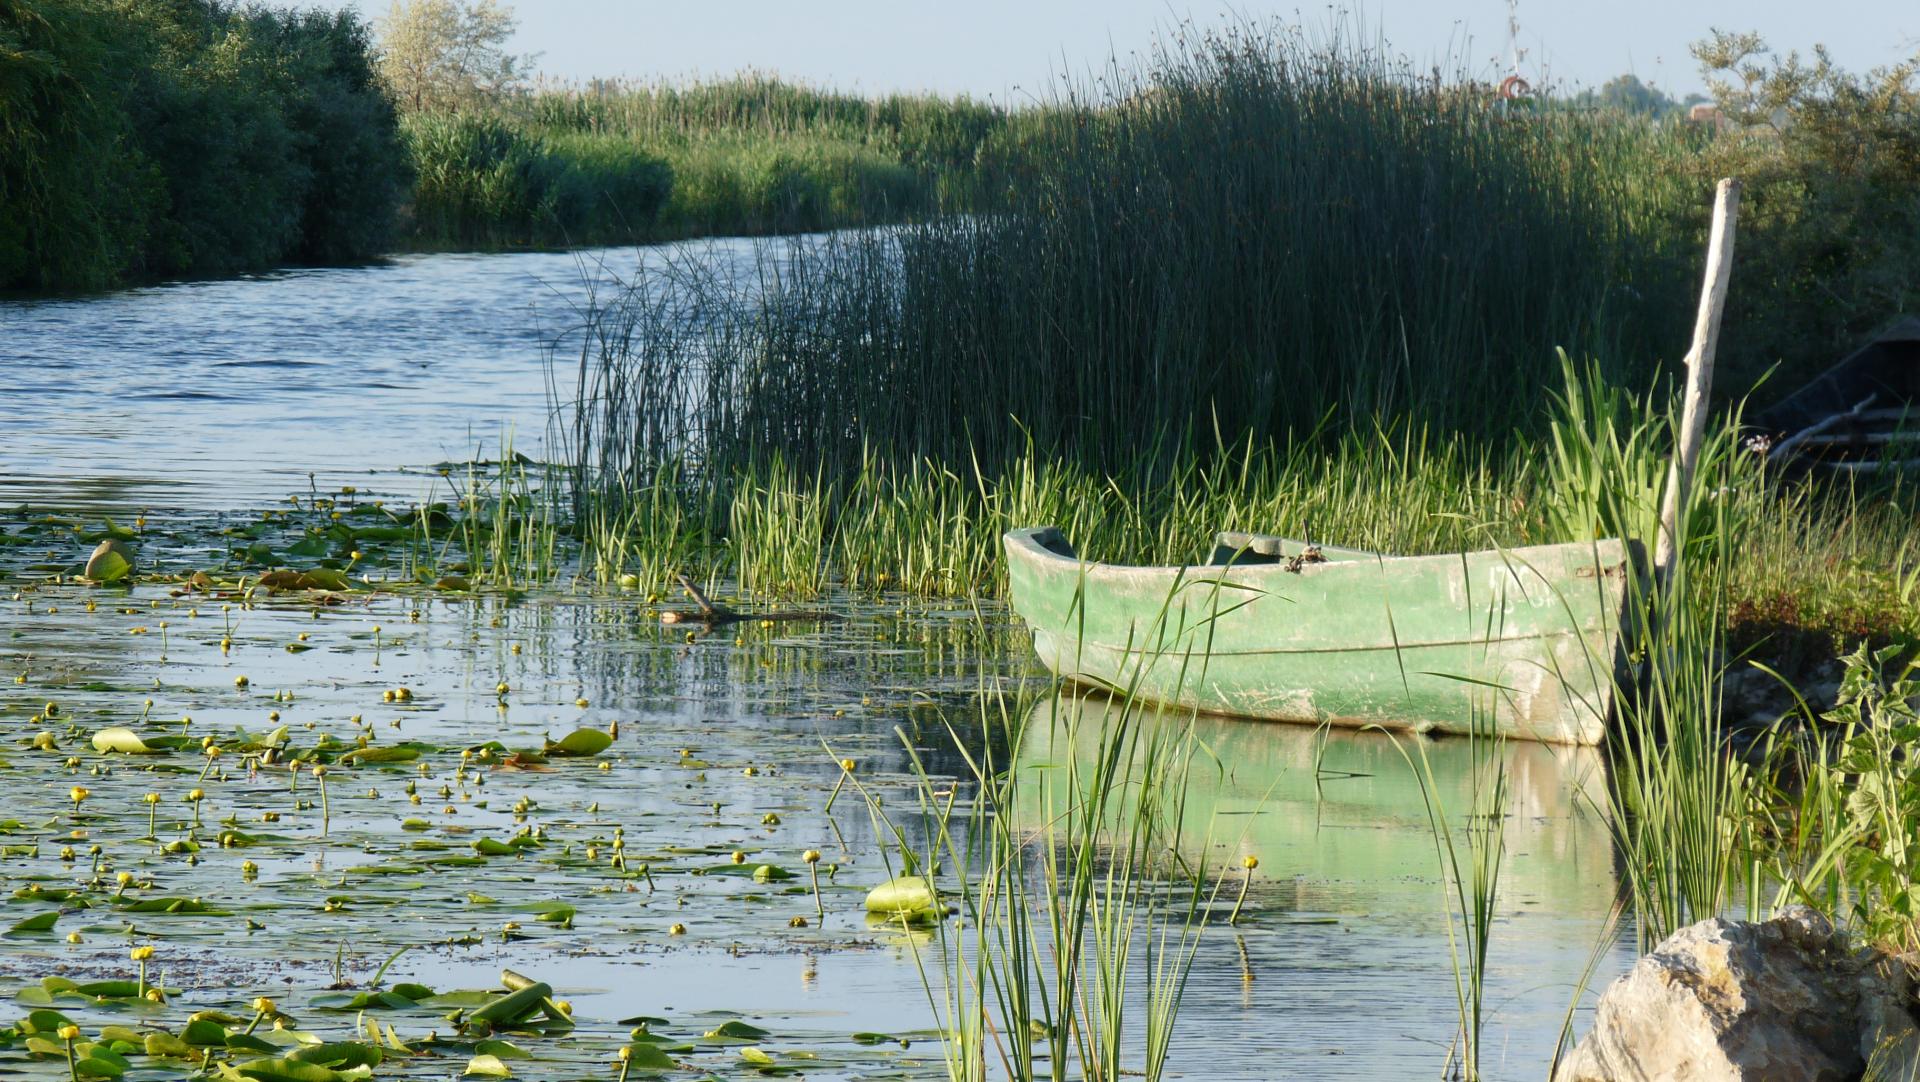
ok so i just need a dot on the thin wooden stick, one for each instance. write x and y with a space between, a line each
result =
1706 335
699 597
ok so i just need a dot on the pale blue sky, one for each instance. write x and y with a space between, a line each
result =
1009 49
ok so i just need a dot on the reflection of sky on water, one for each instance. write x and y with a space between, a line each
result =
225 394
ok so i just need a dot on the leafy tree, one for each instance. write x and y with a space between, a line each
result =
1628 94
445 54
156 137
1830 222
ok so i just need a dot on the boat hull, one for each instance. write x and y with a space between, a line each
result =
1523 642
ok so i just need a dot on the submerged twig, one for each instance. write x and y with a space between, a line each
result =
715 615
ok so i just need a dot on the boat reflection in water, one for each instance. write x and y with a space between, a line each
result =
1341 815
1342 951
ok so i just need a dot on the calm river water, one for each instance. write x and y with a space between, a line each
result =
187 399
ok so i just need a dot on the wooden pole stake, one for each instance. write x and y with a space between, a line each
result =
1706 335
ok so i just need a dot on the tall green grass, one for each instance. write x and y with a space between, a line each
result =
1679 793
482 181
1247 235
615 162
1081 901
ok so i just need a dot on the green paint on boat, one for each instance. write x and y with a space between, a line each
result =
1525 640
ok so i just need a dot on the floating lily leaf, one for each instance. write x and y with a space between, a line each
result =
389 753
108 565
909 896
513 1006
290 1070
109 990
580 743
39 922
44 1021
364 1001
205 1032
320 578
330 579
502 1049
647 1057
101 1062
487 1067
415 992
734 1029
341 1055
168 1046
123 740
308 547
170 905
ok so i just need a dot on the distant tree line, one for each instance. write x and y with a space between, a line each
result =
1628 94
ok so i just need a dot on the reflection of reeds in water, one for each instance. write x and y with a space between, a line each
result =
1470 871
1080 908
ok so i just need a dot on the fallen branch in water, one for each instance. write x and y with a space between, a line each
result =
710 614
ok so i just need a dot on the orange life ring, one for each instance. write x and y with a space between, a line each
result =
1513 87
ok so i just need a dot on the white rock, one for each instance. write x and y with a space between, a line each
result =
1786 1000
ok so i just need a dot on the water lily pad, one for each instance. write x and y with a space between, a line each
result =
487 1066
648 1057
123 740
910 896
39 922
289 1070
110 562
580 742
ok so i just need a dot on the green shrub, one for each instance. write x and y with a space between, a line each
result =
151 137
482 180
1829 243
79 195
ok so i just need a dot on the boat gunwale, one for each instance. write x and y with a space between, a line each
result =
1027 541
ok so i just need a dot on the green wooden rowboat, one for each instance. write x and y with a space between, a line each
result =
1524 641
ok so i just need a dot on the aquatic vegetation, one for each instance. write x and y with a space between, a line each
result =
1068 875
277 825
1836 825
1470 877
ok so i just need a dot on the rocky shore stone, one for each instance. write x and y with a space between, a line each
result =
1784 1000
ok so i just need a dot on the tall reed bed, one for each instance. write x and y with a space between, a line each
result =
611 162
1248 234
